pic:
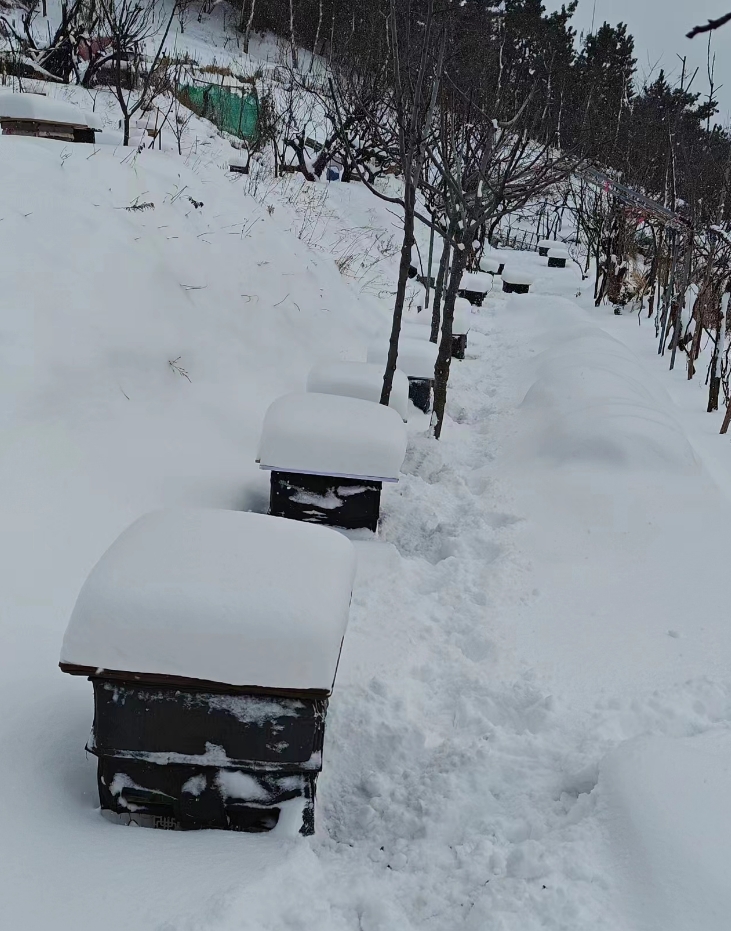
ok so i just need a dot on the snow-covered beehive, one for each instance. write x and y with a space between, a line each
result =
360 380
474 286
416 358
461 327
329 456
544 245
516 282
491 266
36 115
211 675
557 258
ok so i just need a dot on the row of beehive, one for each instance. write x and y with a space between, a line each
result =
212 638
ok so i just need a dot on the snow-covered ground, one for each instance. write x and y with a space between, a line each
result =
530 724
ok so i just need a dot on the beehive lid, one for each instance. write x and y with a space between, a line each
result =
360 380
490 266
480 282
324 434
221 596
548 243
462 317
416 357
39 109
514 276
558 254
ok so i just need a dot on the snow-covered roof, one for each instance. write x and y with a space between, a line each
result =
223 596
42 109
515 276
416 357
558 253
476 281
462 317
326 434
548 243
360 380
491 266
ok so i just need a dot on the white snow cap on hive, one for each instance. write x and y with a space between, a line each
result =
416 357
558 253
548 243
42 109
462 317
514 276
480 282
93 120
224 596
324 434
490 266
360 380
415 331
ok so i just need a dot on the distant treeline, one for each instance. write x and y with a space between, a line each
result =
659 136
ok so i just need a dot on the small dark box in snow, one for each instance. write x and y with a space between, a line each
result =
557 258
545 245
515 282
473 287
329 455
211 678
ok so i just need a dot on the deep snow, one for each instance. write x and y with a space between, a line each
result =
197 592
548 584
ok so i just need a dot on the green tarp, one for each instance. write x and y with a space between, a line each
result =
232 113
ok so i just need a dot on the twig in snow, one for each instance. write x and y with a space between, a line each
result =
283 299
178 368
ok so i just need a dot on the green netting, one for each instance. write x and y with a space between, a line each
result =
232 113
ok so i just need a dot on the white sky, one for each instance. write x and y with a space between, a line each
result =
659 28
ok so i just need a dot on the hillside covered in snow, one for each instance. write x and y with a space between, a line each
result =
530 725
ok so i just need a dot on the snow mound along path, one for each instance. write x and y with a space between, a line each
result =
593 402
668 808
198 594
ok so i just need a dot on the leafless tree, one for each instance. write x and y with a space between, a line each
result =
483 169
130 26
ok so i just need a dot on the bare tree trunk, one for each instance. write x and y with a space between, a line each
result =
687 266
444 356
292 41
715 379
248 27
403 277
436 320
317 34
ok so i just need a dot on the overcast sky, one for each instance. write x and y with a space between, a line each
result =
659 28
